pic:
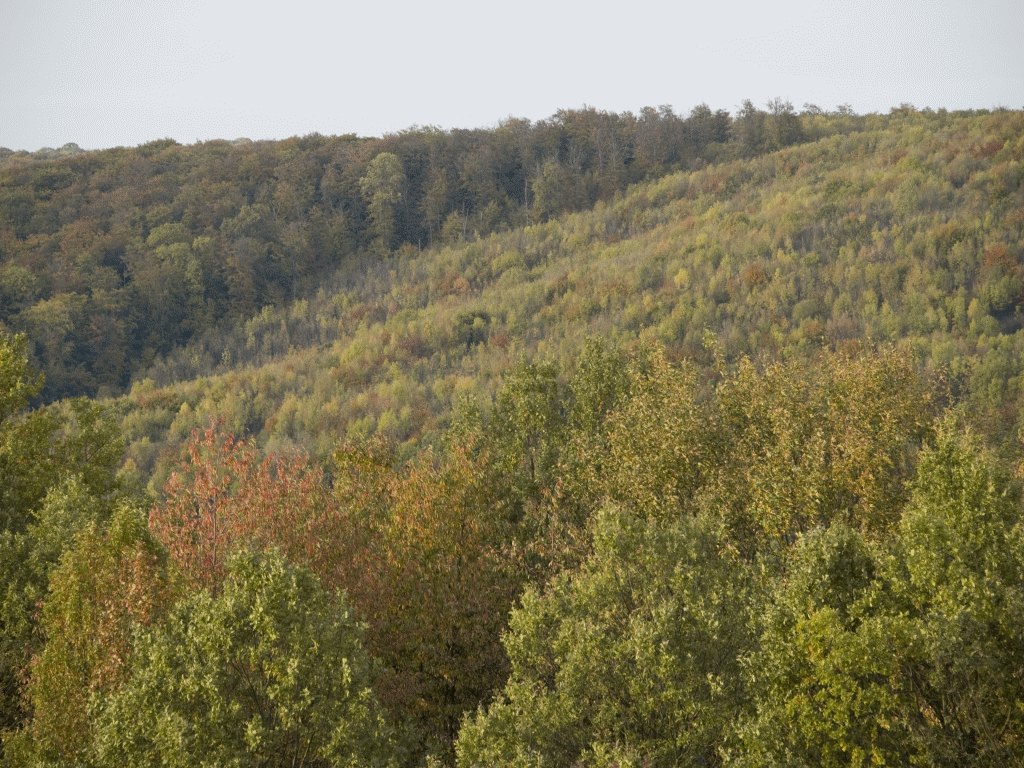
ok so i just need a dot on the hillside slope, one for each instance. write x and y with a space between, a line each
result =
908 232
698 476
110 259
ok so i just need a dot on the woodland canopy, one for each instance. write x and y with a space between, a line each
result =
604 440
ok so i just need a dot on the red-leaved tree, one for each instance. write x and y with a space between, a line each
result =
226 495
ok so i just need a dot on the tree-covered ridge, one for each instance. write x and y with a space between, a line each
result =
722 471
906 232
109 259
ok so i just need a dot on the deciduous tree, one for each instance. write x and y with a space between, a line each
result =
226 495
631 660
271 671
383 187
111 581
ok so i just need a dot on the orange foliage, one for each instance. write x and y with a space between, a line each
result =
424 553
435 578
225 496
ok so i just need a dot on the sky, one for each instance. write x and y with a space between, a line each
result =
104 73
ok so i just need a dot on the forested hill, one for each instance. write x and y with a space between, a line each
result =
109 259
907 232
718 468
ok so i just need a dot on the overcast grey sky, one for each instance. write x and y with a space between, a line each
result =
112 72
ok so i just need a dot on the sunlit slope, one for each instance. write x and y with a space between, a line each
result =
909 233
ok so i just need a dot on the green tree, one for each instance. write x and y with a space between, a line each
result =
783 125
799 444
657 438
18 290
111 581
26 558
824 681
749 129
555 190
901 652
383 187
58 466
270 672
17 383
168 287
526 428
39 447
631 660
598 387
961 576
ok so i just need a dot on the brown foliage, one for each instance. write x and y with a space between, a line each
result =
420 550
435 579
226 495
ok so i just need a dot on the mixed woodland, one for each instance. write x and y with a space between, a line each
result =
601 440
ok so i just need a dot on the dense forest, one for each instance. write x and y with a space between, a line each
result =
112 258
604 440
